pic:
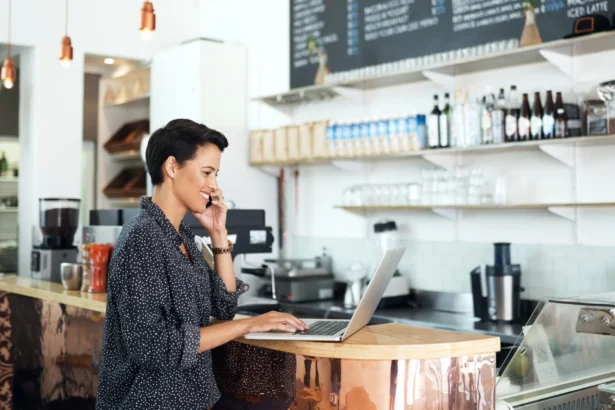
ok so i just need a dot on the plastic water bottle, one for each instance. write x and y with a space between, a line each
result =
331 134
357 142
374 137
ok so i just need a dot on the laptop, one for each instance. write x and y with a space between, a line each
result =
336 330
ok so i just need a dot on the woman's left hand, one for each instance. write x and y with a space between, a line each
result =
214 217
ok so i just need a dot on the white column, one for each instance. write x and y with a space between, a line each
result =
50 135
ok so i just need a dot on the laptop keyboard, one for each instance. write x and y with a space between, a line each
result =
325 328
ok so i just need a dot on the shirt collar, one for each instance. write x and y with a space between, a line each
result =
150 208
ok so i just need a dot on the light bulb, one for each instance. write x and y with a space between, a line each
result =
65 63
109 60
8 83
147 34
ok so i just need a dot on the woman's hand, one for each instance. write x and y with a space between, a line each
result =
274 321
214 217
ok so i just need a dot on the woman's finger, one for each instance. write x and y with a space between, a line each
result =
284 328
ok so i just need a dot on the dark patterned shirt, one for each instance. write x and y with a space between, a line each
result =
157 302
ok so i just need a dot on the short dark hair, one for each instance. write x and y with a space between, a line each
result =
180 138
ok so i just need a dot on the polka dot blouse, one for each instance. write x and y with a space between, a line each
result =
157 302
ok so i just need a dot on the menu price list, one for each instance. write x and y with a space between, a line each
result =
361 33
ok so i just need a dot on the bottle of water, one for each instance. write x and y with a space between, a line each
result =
365 140
357 143
383 135
393 134
330 135
402 133
421 131
374 137
339 139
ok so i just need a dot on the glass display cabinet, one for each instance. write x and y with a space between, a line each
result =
566 358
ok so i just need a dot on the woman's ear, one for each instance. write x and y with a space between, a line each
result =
170 167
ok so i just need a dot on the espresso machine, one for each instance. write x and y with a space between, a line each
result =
496 288
58 222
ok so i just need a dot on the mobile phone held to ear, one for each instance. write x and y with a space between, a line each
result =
210 202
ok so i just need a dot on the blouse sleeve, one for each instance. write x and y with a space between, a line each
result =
224 302
151 340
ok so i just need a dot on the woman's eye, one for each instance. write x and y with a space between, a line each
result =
208 173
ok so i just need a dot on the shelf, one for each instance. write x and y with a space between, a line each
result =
140 98
125 202
443 157
565 210
125 155
9 179
9 210
558 52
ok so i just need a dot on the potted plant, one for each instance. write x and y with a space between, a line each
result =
530 34
323 69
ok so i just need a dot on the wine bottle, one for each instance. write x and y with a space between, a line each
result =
524 119
548 119
513 112
561 119
536 118
433 125
445 124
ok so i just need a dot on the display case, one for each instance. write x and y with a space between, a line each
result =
565 358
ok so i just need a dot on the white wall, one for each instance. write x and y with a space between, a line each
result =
51 103
531 177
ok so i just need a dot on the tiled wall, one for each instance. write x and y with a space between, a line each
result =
547 270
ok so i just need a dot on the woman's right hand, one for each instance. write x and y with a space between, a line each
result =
274 321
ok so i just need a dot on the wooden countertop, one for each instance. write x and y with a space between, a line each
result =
380 342
53 292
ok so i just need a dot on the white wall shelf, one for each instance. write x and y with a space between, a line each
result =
9 210
560 53
131 155
143 98
560 149
565 210
9 179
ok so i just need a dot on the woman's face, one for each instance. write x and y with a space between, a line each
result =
197 178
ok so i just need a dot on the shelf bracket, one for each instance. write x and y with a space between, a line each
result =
560 58
443 79
562 153
446 161
349 165
448 213
564 212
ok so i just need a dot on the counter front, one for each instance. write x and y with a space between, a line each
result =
53 338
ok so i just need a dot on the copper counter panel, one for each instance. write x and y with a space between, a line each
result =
49 356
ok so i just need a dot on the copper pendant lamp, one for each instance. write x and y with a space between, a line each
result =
66 52
8 75
148 20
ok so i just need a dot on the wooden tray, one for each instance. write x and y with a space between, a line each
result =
128 137
129 183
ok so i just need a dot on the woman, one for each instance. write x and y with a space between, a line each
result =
157 342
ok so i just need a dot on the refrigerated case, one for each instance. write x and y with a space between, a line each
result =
565 358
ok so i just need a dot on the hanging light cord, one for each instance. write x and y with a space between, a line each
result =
65 20
9 36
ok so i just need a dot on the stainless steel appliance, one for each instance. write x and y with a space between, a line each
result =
299 280
496 288
58 222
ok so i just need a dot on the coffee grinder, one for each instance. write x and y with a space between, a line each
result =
496 288
58 221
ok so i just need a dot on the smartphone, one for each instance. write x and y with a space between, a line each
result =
209 203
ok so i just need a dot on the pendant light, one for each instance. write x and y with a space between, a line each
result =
66 53
148 20
8 73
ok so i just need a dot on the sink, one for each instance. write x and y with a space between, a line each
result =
304 312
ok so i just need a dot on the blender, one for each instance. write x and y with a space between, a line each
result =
397 292
58 222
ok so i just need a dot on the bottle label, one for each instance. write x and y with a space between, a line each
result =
535 126
548 125
560 128
432 130
511 125
382 128
524 127
444 138
364 129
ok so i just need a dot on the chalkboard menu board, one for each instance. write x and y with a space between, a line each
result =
360 33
